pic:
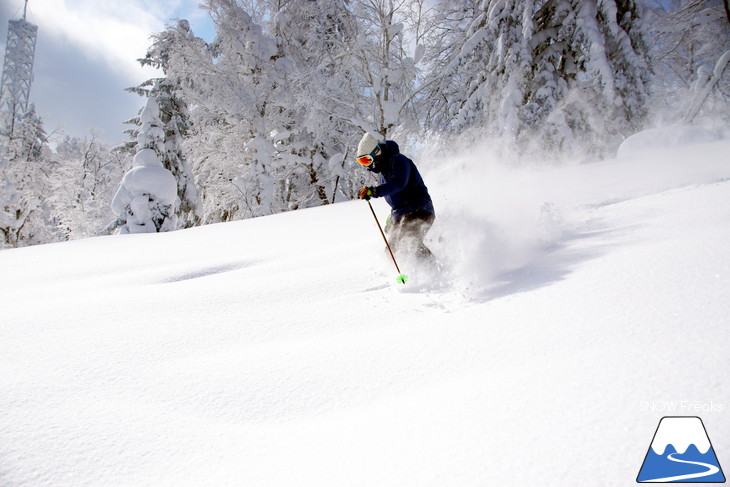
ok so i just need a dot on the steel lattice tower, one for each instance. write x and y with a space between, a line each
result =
17 71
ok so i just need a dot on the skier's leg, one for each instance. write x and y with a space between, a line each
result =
395 234
414 227
425 221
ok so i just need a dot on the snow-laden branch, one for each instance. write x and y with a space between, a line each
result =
704 91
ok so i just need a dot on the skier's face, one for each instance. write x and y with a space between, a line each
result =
373 167
370 161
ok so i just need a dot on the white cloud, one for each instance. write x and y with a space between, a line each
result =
115 32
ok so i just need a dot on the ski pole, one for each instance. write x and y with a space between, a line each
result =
402 278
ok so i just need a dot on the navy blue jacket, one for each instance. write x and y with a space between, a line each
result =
400 182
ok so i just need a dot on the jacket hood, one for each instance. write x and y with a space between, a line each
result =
391 147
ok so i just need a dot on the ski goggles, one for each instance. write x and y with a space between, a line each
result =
368 159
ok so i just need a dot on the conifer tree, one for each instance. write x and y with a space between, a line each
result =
169 51
146 201
549 74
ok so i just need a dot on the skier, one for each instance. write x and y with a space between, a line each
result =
402 186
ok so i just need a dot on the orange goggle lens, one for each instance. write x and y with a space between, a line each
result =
365 160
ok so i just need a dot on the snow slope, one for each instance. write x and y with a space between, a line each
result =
280 350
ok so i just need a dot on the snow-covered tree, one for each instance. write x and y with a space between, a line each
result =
147 200
548 74
170 51
608 88
387 66
29 137
326 103
147 196
689 39
151 134
485 82
237 90
84 174
24 184
710 82
448 22
20 204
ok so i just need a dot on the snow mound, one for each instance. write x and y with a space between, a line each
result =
146 158
147 194
150 113
667 138
157 182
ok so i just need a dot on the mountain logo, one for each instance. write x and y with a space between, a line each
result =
680 452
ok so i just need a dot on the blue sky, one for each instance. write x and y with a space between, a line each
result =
86 55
